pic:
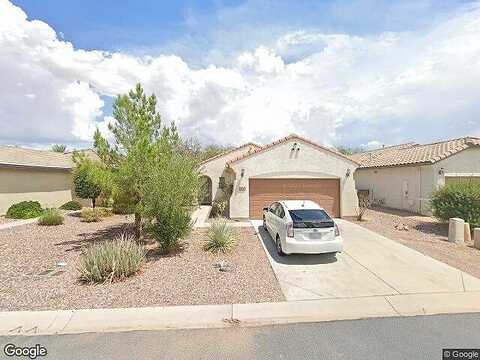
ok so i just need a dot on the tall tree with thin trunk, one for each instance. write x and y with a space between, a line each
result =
138 137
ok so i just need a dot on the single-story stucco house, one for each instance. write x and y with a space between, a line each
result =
404 176
38 175
251 176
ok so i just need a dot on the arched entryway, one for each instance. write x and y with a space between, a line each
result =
205 191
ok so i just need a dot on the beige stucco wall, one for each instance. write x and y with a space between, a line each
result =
216 168
51 188
281 162
466 163
388 183
401 187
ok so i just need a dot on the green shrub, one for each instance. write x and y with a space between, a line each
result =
90 215
71 205
175 224
220 237
95 214
24 210
51 217
122 209
170 194
103 212
459 200
112 260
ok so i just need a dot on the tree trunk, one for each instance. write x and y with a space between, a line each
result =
93 202
138 226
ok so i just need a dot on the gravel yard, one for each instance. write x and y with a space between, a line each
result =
32 276
425 234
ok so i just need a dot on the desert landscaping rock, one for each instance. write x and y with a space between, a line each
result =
426 235
187 277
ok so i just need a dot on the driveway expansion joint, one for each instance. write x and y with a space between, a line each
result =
373 273
393 307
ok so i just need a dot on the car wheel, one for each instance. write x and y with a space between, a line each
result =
278 245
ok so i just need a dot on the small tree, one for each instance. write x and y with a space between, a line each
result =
60 148
364 204
84 181
170 194
140 154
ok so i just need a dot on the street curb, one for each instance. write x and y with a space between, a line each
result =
27 323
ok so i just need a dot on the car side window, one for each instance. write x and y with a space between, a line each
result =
280 212
273 208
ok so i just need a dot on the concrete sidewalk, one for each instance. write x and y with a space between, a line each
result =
219 316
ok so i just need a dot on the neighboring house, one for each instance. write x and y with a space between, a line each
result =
404 176
253 176
39 175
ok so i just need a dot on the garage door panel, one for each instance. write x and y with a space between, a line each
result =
263 192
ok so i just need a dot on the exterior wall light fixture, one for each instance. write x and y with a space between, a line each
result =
441 171
242 173
347 174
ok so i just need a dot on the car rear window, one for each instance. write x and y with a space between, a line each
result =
310 218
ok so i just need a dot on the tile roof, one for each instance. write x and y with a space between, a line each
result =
18 156
285 139
414 154
229 152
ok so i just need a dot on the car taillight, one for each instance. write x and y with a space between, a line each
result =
337 231
290 230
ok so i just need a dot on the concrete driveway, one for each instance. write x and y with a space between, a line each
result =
370 265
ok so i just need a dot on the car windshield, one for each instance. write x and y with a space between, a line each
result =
310 218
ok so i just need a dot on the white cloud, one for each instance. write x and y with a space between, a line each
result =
389 88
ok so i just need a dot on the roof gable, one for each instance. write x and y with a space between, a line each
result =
227 152
414 154
286 139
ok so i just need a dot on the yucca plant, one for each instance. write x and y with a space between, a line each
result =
220 237
50 217
112 260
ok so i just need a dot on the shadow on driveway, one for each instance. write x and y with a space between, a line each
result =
294 259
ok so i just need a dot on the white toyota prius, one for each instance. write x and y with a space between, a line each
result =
301 226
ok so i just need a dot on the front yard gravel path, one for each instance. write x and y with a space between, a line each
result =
38 270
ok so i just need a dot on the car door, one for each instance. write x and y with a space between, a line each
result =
270 218
280 225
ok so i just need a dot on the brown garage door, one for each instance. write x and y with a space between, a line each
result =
325 192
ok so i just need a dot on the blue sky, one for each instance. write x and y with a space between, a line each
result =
351 72
190 28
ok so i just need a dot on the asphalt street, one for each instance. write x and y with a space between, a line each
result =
421 337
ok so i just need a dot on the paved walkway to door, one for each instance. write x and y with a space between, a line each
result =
370 265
